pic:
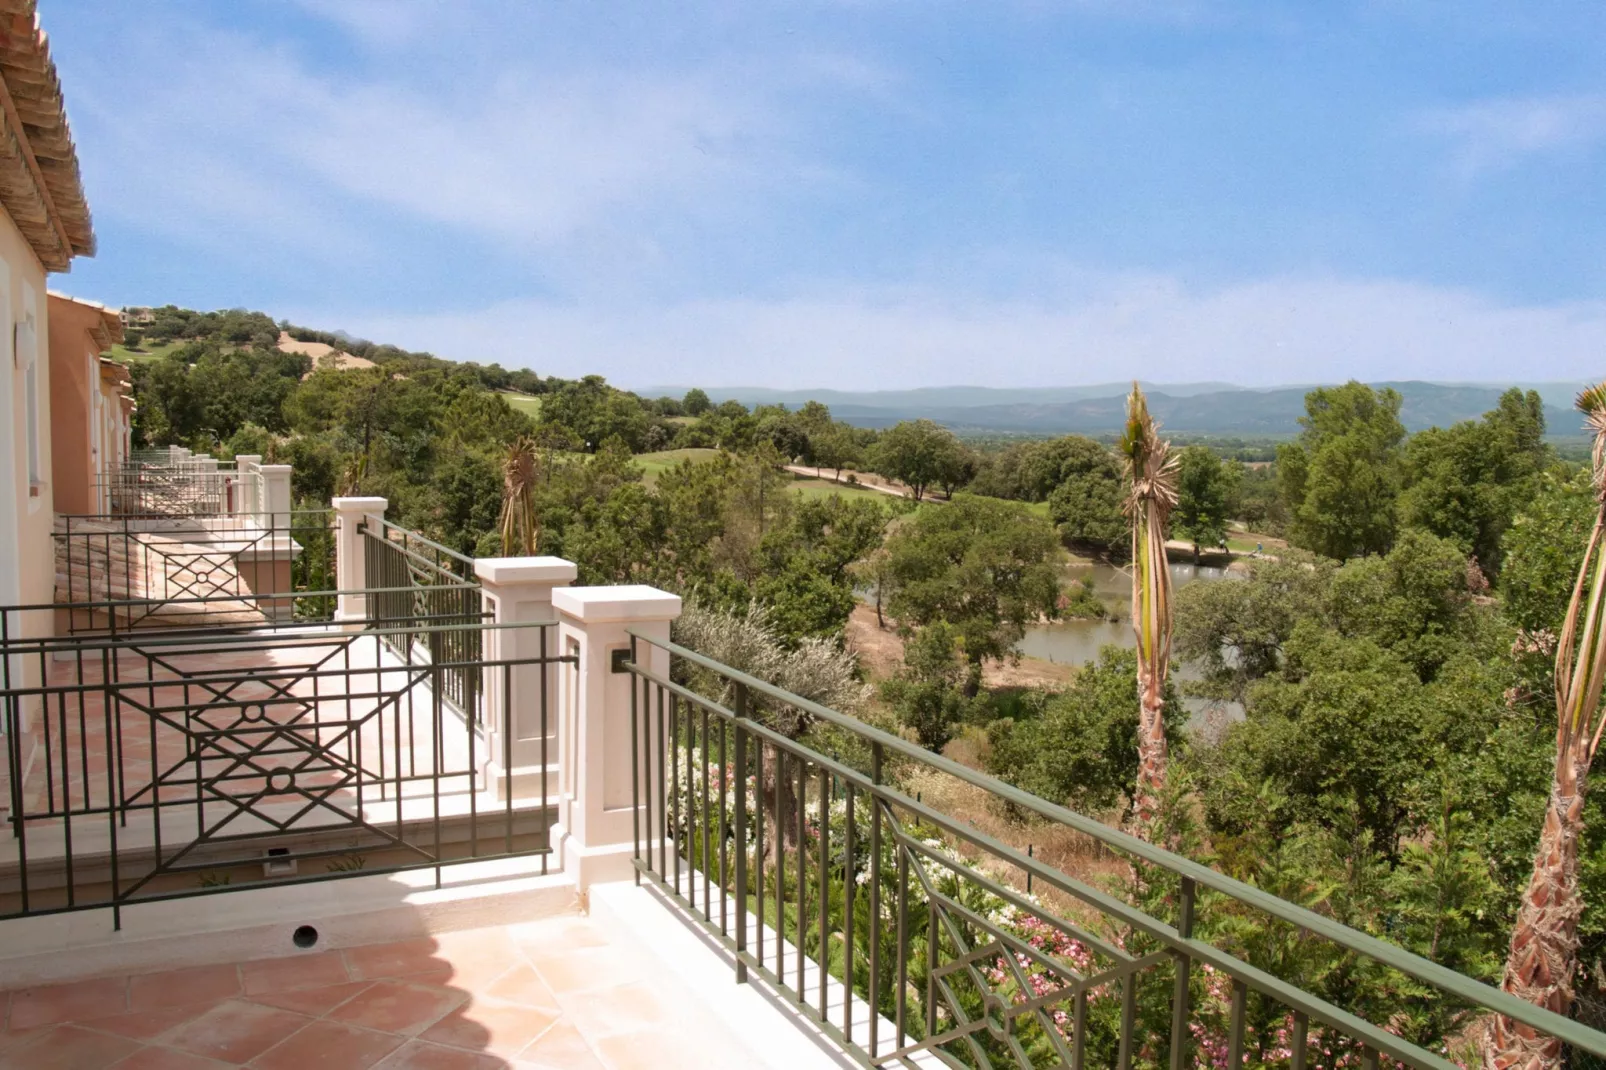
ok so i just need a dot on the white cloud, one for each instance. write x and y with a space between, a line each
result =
519 156
1493 133
1259 333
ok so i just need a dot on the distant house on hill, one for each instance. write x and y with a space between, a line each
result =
136 316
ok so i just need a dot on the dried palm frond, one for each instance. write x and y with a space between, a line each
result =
520 528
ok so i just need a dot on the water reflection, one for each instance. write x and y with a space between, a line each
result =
1077 642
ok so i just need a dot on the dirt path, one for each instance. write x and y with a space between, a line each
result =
864 479
880 651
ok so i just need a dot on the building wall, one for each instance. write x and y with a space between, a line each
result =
27 510
29 507
74 398
79 405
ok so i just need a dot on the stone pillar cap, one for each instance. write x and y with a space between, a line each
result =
630 602
364 505
505 571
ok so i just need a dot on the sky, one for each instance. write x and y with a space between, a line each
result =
864 194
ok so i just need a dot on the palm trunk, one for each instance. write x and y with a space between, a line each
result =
1544 941
1151 620
1152 754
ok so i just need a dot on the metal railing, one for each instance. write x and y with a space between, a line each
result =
121 572
171 764
178 488
900 926
427 584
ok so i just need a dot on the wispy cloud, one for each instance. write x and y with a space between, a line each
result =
1493 133
1267 332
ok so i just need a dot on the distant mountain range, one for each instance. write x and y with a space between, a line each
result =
1197 408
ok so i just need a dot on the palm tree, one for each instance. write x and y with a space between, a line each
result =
1152 493
1544 940
520 470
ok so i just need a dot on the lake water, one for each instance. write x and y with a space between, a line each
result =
1077 642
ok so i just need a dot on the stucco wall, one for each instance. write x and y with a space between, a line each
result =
74 374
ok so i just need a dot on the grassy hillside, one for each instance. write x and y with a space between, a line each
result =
149 352
528 404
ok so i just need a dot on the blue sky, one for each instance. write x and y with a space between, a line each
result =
864 193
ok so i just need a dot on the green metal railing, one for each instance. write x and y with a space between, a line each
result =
166 764
824 874
428 584
119 572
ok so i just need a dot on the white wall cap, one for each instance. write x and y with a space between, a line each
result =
604 604
360 505
272 469
505 571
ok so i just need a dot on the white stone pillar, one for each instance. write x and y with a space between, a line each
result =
275 506
522 738
245 482
595 836
351 559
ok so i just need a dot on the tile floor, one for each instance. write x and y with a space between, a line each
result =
555 993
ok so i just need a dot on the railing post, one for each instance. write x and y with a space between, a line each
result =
521 737
351 559
275 506
597 804
245 483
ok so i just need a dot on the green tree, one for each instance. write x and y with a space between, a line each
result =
984 566
919 453
1085 502
1079 747
925 695
1341 479
1543 549
1204 488
696 402
1466 482
1236 631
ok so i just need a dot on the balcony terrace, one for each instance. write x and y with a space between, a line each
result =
299 787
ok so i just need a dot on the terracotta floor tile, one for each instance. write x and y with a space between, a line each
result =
236 1031
574 932
176 988
295 971
523 986
68 1047
169 1059
585 969
399 1007
329 1046
314 1001
78 1001
499 1028
402 959
478 957
419 1055
561 1048
630 1008
147 1025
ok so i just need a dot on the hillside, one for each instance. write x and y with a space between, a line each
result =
1198 408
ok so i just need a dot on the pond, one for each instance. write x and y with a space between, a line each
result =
1077 642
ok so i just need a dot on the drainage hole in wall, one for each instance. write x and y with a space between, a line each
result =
305 936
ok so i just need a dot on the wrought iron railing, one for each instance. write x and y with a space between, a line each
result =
178 763
120 572
427 584
179 488
845 869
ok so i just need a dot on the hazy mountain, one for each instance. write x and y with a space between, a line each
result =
1202 408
